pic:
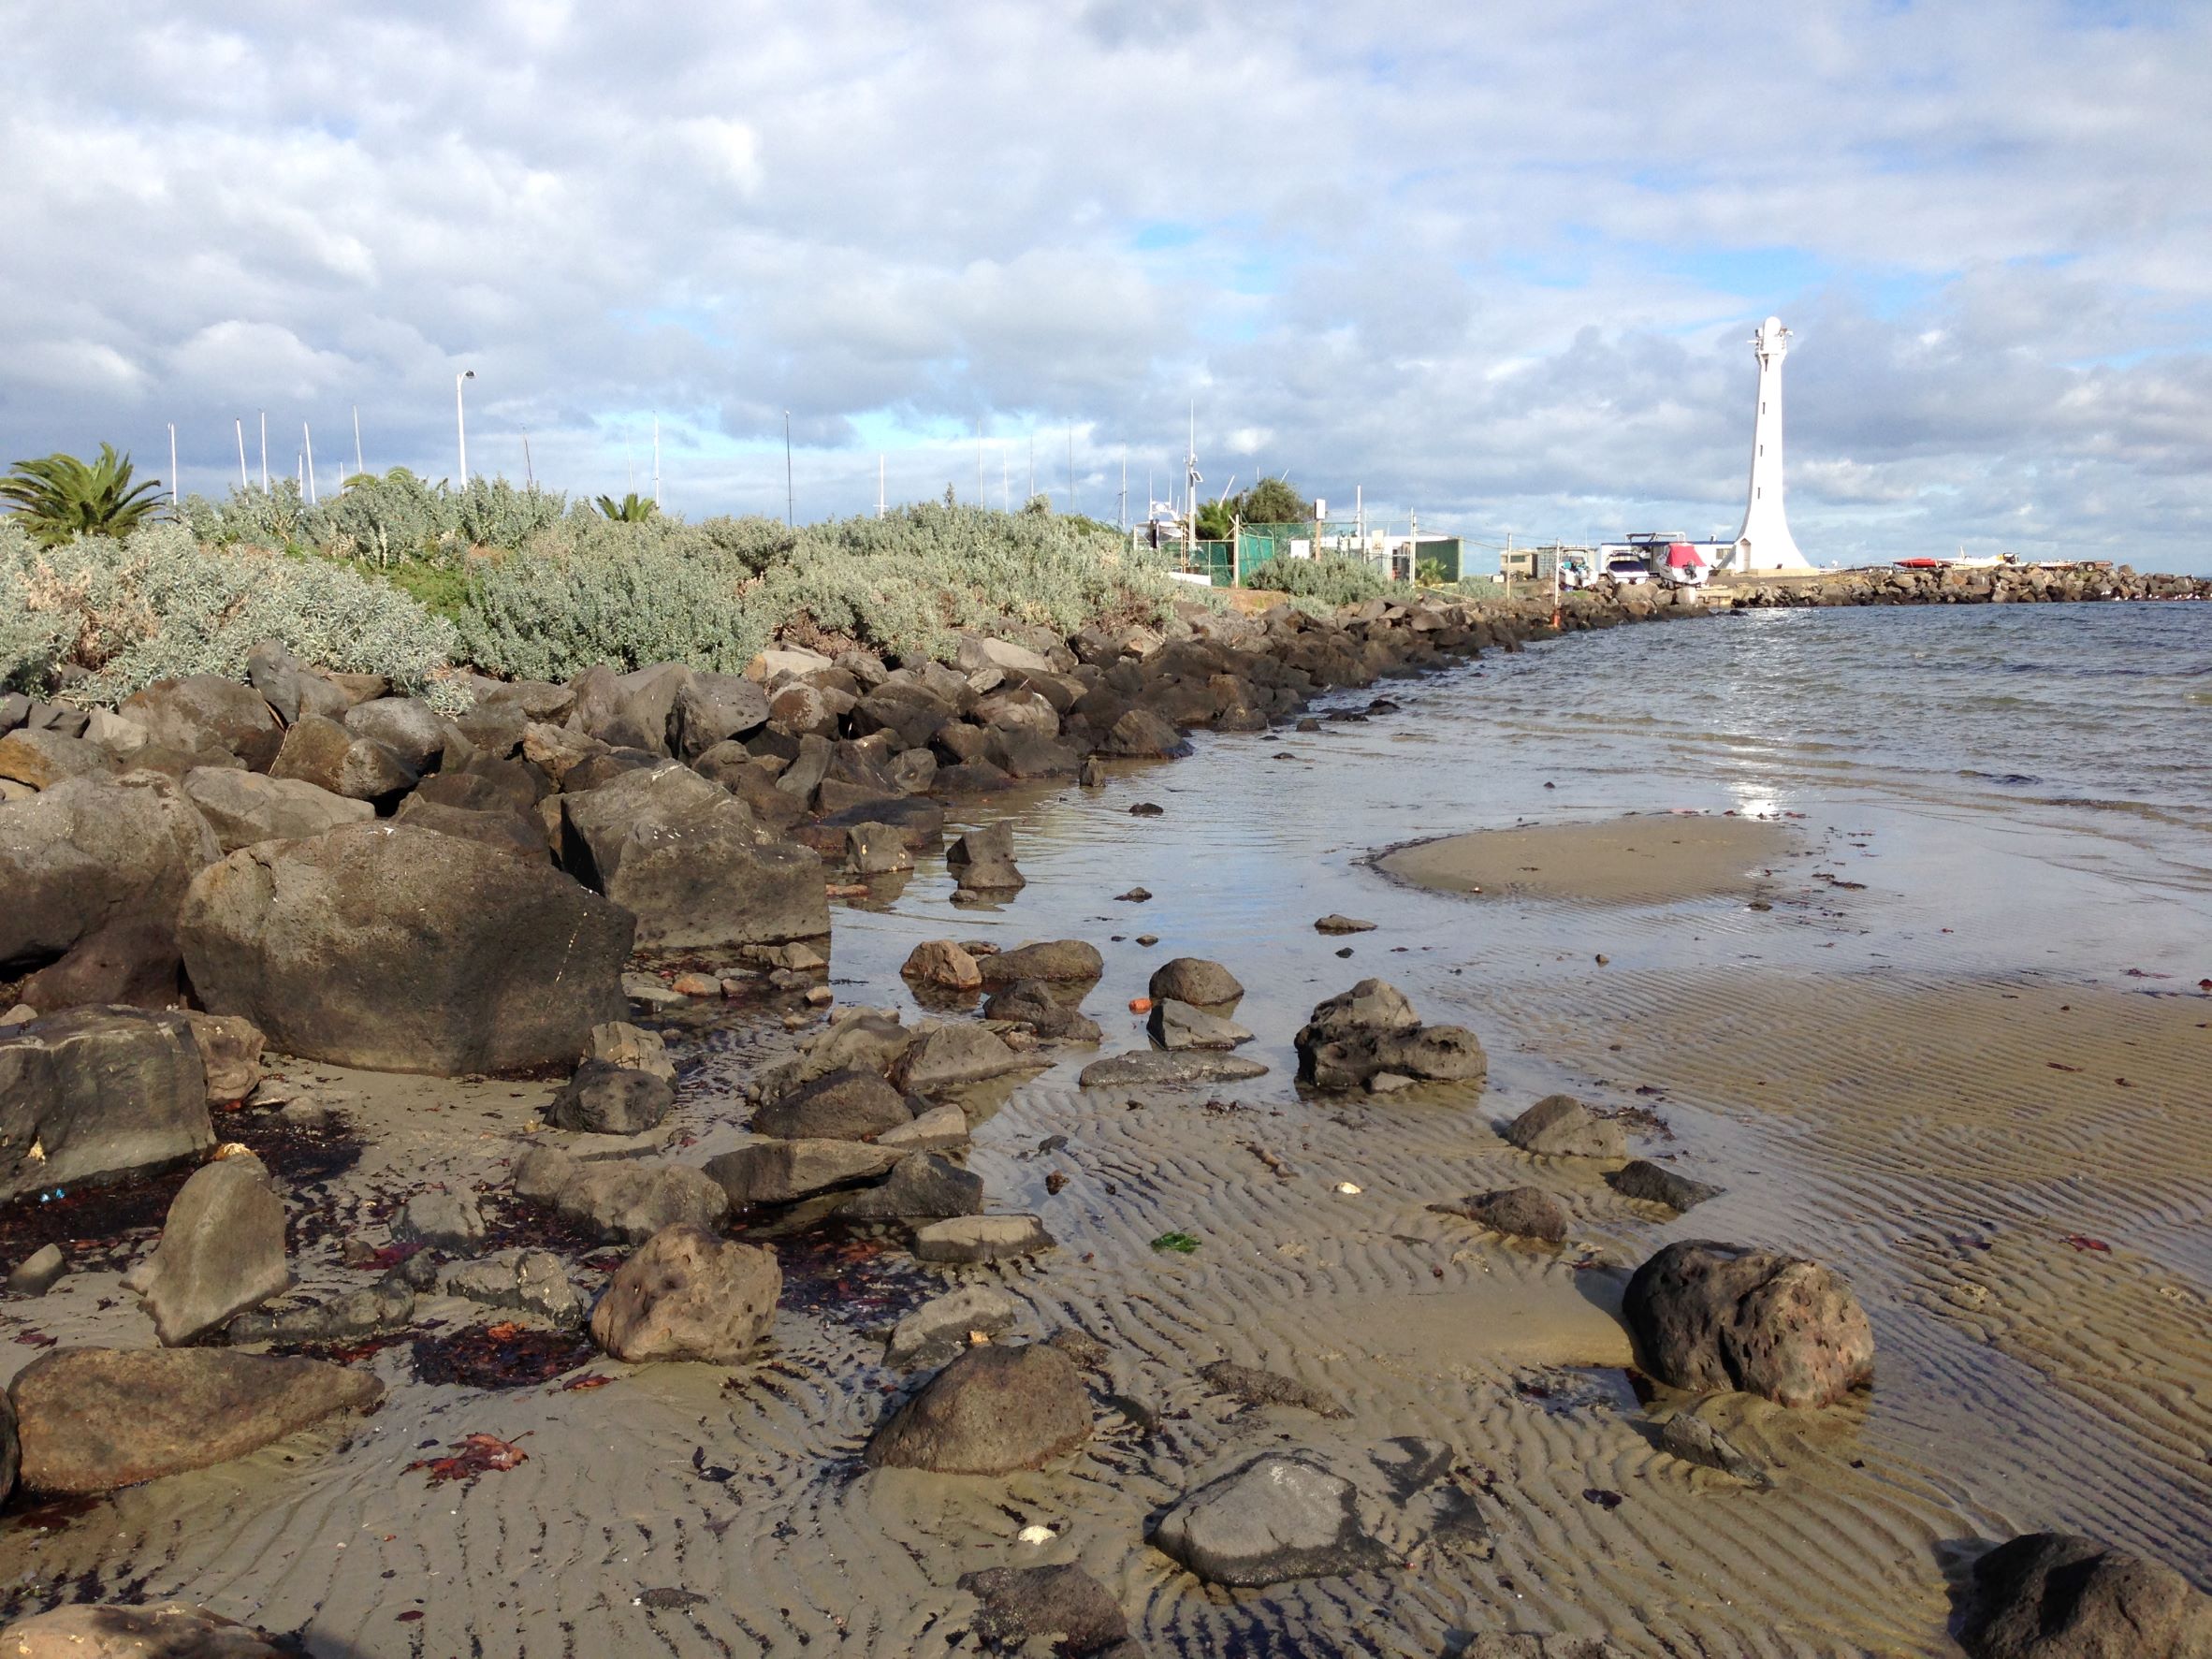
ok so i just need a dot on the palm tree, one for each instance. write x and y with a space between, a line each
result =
631 509
62 497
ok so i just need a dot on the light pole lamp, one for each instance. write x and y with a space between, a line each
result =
461 422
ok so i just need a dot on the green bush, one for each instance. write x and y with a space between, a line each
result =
384 520
1333 579
157 605
594 590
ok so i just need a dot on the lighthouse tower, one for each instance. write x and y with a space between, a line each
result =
1764 543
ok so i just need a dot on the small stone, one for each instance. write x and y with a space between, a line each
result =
1283 1515
533 1281
647 988
440 1220
1695 1441
1388 1083
1654 1184
1343 924
1518 1212
944 1328
621 1043
966 1240
1135 896
923 1187
1248 1385
38 1272
1154 1069
1196 980
943 965
171 1630
1178 1025
941 1128
696 984
1062 1610
1559 1125
1146 809
221 1252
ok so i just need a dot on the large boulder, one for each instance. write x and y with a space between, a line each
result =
96 1419
407 726
40 760
208 711
632 710
401 950
290 686
221 1252
1180 1026
502 828
712 709
128 961
319 751
688 1295
923 1187
688 858
953 1054
90 853
244 807
1709 1316
99 1091
991 1411
621 1198
172 1630
2051 1595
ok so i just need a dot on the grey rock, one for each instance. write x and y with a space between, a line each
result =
1032 1003
1434 1053
1559 1125
208 711
91 852
407 726
44 758
1341 925
689 1295
712 709
970 1240
323 753
1141 733
941 1128
692 861
922 1187
290 686
221 1252
441 1220
629 1199
99 1091
877 849
1064 960
1369 1006
852 1104
397 950
171 1630
950 1055
246 805
1061 1606
1708 1316
1249 1385
621 1043
1694 1440
994 1410
38 1274
771 1172
130 962
1177 1025
1194 979
230 1051
93 1419
531 1281
382 1306
940 1330
1655 1184
1519 1212
2054 1595
1284 1515
603 1098
1156 1069
856 1038
502 828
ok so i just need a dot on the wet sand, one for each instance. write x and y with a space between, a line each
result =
1647 858
1952 1077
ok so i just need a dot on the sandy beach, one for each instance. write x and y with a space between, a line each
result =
1975 1089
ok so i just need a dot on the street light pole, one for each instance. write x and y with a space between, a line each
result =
172 466
461 422
791 499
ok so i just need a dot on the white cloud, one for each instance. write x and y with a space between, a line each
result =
1349 236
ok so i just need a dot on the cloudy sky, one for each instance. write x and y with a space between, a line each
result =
1494 264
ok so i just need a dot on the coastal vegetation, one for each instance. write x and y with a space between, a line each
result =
1332 579
58 496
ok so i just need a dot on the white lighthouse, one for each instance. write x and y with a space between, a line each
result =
1764 543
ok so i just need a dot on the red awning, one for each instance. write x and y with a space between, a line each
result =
1681 556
